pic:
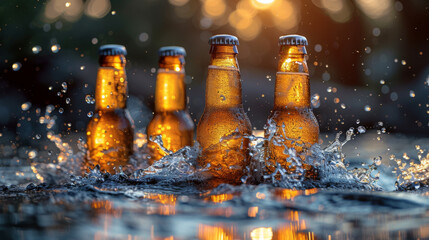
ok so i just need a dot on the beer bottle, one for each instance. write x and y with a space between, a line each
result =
110 131
171 120
223 126
292 122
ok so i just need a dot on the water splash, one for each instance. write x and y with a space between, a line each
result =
412 173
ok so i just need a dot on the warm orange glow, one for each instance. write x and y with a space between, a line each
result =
220 198
70 10
290 194
262 4
252 211
375 9
97 8
207 232
214 8
261 234
285 15
167 201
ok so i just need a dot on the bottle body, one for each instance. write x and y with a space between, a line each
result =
224 126
110 132
292 123
110 139
171 119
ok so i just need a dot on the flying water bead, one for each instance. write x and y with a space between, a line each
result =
36 49
61 110
343 106
382 82
16 66
315 100
403 62
361 129
89 99
68 100
32 154
357 121
412 93
55 48
90 114
367 108
25 106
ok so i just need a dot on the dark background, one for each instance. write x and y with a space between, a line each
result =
354 47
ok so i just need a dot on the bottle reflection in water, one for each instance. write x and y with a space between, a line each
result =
171 120
110 131
224 124
292 122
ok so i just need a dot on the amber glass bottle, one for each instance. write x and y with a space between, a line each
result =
292 122
171 120
110 131
224 125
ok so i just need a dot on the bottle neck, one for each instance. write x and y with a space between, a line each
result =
170 94
223 85
292 88
111 88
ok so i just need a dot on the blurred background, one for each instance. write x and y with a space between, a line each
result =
368 59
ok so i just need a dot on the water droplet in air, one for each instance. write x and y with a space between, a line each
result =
368 50
89 99
50 88
55 48
68 4
315 100
393 96
403 62
32 154
336 100
64 85
61 110
343 106
326 76
318 48
68 100
329 89
90 114
82 68
367 108
113 13
36 49
377 160
38 136
380 124
361 129
412 93
222 97
382 81
94 41
25 106
357 121
16 66
376 32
